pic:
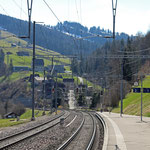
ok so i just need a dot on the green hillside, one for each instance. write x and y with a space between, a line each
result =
132 101
6 41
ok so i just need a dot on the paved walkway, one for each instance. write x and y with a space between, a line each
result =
127 132
72 102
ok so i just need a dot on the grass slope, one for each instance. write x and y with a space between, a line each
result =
21 45
5 43
132 102
23 118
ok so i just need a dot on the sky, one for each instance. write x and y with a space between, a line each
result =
132 16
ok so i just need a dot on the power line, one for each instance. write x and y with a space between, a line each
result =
19 7
51 11
77 10
81 11
121 56
114 8
4 9
60 22
148 49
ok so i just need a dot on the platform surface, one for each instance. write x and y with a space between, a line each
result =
127 132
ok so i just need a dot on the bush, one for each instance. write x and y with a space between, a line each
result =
112 96
19 109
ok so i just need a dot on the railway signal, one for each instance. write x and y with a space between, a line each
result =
53 90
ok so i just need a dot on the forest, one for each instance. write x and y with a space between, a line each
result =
62 38
110 72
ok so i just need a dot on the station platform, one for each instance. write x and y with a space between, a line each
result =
126 132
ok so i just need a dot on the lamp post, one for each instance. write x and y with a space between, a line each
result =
102 93
56 95
141 96
114 8
33 71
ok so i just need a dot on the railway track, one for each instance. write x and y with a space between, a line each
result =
10 140
84 136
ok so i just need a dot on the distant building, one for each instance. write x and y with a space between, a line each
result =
1 28
23 53
56 68
31 77
20 68
26 101
68 80
39 65
69 83
8 53
13 45
10 115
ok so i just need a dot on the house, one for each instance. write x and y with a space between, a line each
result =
9 53
23 53
26 101
57 68
39 65
10 115
69 83
1 28
68 80
20 68
31 77
13 45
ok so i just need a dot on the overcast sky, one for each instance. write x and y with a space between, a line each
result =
132 15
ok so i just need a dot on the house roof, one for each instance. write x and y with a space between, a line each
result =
22 53
9 114
39 62
68 80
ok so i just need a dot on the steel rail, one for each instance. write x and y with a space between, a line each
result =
10 143
38 125
63 146
105 127
89 147
91 141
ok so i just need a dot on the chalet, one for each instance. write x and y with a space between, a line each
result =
68 80
26 101
39 65
57 68
23 53
20 68
69 83
10 115
13 45
31 77
9 53
1 28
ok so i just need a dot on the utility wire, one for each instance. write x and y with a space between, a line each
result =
19 7
59 21
77 10
148 49
117 69
4 9
52 11
80 11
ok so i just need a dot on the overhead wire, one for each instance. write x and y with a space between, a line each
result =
69 10
81 11
77 10
60 22
51 11
21 10
147 49
117 69
4 10
6 13
19 7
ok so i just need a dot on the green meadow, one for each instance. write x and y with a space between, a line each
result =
132 101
